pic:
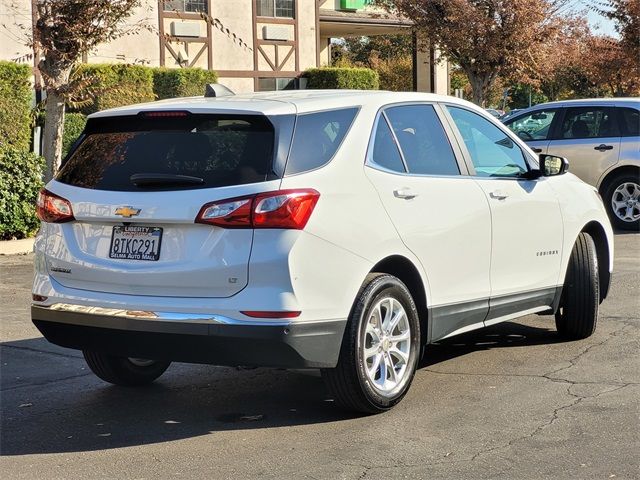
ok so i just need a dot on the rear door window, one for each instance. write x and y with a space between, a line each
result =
164 152
589 122
317 138
422 139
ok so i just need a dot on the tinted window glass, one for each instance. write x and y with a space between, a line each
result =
492 152
317 138
630 122
385 150
589 122
220 150
534 126
422 139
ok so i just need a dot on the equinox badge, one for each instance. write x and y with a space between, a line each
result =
127 212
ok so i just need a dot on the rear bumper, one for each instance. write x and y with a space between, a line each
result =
192 338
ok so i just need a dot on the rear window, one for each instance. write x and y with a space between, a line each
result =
171 153
317 138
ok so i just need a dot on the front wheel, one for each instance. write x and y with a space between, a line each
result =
622 200
128 372
380 348
578 313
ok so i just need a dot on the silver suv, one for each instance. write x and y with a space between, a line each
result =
601 140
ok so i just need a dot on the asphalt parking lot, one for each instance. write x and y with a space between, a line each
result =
509 402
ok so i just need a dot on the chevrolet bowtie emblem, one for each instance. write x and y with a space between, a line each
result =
127 212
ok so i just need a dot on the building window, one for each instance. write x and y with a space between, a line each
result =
269 84
275 8
187 6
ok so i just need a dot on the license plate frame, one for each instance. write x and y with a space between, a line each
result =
125 243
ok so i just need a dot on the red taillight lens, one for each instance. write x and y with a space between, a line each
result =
289 209
53 209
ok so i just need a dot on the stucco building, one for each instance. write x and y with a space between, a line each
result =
252 44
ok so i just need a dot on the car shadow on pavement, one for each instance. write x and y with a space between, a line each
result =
52 403
503 335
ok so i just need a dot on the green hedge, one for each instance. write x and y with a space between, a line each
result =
115 85
15 105
343 78
181 82
73 126
20 180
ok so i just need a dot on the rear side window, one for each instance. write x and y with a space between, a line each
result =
135 153
317 138
589 122
630 122
422 139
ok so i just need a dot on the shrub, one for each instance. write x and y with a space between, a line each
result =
347 78
15 105
181 82
20 180
116 85
73 126
396 74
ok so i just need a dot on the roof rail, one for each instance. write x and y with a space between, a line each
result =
217 90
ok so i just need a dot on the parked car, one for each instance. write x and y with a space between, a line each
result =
495 113
336 230
510 114
601 140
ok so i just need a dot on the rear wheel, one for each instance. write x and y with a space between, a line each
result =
622 199
380 349
578 313
124 371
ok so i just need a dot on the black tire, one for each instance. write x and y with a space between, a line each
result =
608 193
121 370
348 382
578 313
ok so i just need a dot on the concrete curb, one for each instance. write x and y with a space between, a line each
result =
16 247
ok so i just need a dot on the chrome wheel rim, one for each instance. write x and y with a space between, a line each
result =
141 362
387 346
625 202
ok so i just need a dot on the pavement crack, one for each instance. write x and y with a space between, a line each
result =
35 350
27 385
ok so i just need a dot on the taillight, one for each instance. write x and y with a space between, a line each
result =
288 209
53 209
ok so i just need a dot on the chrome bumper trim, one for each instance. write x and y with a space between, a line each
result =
204 318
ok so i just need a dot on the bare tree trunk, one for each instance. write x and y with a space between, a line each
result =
52 133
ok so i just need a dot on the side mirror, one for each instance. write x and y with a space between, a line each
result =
552 165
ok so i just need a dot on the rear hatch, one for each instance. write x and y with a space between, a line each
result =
136 184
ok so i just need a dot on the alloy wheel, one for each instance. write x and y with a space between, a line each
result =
625 202
387 346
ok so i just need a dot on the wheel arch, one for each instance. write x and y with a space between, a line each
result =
617 170
599 236
404 269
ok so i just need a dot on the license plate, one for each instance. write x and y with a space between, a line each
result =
136 243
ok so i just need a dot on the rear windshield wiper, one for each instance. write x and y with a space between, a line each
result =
155 179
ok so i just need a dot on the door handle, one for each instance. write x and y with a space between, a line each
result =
498 195
536 150
603 147
404 193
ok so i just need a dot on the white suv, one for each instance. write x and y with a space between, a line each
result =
337 230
